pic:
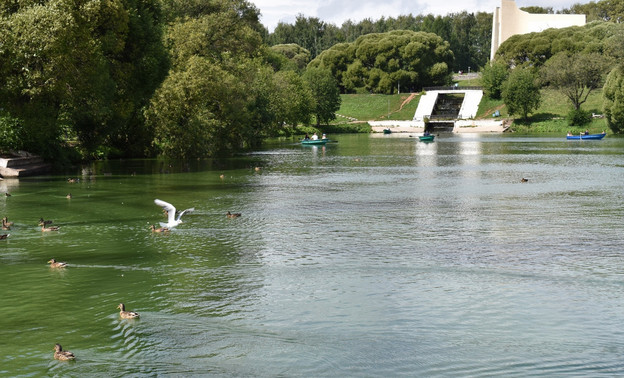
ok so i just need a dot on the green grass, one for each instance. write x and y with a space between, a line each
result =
376 107
550 117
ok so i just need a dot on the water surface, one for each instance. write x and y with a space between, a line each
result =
378 255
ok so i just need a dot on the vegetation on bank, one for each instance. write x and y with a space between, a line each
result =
141 78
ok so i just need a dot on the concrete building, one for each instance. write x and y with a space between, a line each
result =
509 20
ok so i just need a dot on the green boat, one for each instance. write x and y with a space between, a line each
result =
426 138
314 141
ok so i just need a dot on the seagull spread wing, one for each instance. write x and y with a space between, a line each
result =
182 212
171 210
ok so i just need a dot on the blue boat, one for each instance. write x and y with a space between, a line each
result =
586 136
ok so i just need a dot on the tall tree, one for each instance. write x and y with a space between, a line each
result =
325 93
521 92
493 75
613 92
576 75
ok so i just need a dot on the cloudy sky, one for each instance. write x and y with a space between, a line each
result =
338 11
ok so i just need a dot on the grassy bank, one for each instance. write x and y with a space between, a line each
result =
357 109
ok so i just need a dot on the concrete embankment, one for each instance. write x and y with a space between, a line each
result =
22 164
461 126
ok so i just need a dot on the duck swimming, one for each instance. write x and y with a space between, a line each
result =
51 228
126 314
4 236
57 264
44 222
5 224
62 355
160 229
232 215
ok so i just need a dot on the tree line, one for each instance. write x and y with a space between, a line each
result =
469 34
192 78
575 61
135 78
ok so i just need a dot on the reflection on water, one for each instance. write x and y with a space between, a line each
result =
371 256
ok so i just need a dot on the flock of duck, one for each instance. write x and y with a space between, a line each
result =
65 355
172 221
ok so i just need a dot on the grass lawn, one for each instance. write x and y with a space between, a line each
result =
376 107
550 117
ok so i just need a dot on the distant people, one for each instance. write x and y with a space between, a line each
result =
569 133
314 137
586 132
324 136
426 133
306 137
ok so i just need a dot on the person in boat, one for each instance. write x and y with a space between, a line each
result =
586 132
426 133
569 133
306 137
324 136
314 137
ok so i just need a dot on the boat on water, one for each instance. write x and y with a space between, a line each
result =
387 131
426 138
314 141
586 136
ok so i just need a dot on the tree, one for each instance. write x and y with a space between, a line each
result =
493 75
576 75
521 93
325 93
387 60
613 93
296 54
81 70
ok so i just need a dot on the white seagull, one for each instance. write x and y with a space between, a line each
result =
171 213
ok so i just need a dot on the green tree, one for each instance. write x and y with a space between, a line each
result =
386 61
325 93
521 92
296 54
613 93
75 69
493 75
576 75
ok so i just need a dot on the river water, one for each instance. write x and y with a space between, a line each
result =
378 255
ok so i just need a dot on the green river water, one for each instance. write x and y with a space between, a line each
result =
377 255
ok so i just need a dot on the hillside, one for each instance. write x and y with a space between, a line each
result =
550 117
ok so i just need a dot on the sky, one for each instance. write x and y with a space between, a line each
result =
338 11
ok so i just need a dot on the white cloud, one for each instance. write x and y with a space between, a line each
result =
338 11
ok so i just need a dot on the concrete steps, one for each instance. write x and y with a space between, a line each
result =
22 164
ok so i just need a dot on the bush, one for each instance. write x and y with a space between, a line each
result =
10 133
579 117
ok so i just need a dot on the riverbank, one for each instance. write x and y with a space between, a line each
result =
461 126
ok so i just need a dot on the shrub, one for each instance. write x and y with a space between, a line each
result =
579 117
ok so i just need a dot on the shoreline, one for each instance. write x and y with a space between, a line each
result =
461 126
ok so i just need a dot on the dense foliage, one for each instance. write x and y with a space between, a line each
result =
534 49
383 63
613 92
469 34
521 92
81 69
575 75
144 77
492 78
